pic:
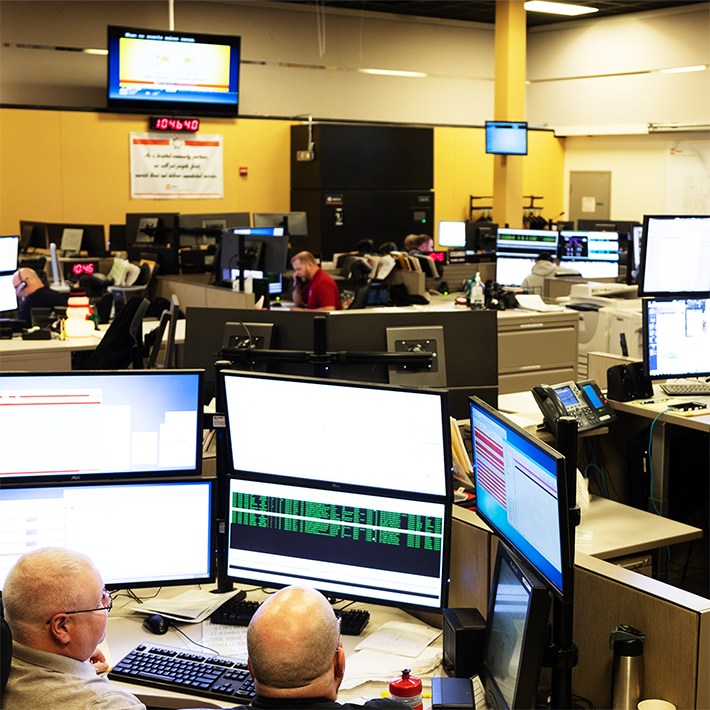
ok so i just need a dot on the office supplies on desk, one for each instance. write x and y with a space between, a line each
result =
533 302
180 671
193 606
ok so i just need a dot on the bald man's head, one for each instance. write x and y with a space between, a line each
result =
293 639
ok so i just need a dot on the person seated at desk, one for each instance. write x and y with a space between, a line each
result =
421 244
545 268
57 609
34 293
295 656
313 289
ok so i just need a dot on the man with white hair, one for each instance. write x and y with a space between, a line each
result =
57 609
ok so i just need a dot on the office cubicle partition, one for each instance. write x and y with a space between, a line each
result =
470 341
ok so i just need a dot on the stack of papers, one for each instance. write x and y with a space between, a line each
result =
192 606
392 648
533 302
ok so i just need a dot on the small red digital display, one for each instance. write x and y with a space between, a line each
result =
165 123
81 269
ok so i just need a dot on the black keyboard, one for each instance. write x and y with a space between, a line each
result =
239 612
180 671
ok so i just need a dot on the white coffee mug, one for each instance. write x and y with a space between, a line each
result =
655 704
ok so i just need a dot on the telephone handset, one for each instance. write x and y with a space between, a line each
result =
582 400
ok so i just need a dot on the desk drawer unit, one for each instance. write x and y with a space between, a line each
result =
535 349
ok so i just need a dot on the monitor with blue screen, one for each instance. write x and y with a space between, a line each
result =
507 137
100 425
595 255
522 493
137 534
362 520
676 337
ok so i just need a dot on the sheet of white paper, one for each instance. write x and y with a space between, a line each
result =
400 638
192 606
369 665
225 640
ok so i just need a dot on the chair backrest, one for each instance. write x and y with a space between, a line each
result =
122 343
158 342
172 328
5 655
362 295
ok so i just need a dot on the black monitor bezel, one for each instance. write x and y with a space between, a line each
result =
181 109
212 568
537 621
230 474
641 276
117 476
566 532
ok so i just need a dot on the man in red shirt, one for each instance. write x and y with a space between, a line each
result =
313 289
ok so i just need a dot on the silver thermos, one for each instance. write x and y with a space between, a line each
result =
627 667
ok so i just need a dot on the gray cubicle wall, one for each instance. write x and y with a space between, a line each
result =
470 341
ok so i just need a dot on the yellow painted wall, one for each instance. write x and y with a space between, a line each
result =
69 166
462 168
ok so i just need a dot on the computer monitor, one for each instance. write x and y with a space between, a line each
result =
676 337
512 270
192 226
675 251
516 634
526 242
521 493
295 223
144 229
452 234
84 425
92 239
633 260
594 255
481 236
182 73
142 534
507 137
33 235
9 251
367 519
8 297
265 249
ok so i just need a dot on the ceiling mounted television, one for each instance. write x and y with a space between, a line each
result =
507 137
186 73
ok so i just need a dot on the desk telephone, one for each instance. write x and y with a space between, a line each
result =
582 400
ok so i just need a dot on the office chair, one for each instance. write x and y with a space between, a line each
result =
360 274
121 294
5 655
168 320
122 345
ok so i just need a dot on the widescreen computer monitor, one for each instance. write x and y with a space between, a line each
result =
521 493
676 337
199 229
675 252
143 534
452 234
265 249
9 250
33 235
526 242
633 261
296 222
516 634
91 240
594 255
366 519
84 425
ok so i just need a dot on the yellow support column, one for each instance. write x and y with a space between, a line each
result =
509 105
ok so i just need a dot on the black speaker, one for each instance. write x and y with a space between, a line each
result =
628 381
464 636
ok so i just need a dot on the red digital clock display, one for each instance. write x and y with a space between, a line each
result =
81 269
165 123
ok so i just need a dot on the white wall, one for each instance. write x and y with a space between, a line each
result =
284 71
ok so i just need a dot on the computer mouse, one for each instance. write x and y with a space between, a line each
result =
157 624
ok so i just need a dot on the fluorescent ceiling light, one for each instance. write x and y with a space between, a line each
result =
392 72
680 70
558 8
95 51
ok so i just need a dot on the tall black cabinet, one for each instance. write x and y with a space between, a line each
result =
364 181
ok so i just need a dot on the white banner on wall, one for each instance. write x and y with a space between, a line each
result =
171 166
688 178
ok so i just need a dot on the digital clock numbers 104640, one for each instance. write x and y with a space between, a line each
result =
165 123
